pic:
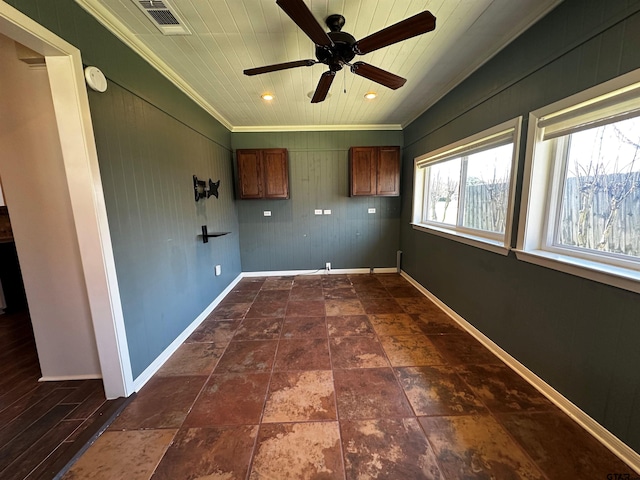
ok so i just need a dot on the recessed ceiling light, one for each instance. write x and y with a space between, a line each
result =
267 96
370 95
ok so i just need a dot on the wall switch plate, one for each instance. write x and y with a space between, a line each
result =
267 213
317 212
327 212
371 210
218 270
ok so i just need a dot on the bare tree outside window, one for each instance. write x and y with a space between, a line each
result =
487 189
601 196
444 181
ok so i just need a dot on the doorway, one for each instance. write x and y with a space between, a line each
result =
83 220
18 357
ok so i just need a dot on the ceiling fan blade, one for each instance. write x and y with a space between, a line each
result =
302 16
279 66
323 86
378 75
417 25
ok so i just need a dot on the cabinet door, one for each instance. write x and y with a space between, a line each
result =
388 171
276 173
249 174
362 169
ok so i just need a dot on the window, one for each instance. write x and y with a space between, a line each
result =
581 198
465 191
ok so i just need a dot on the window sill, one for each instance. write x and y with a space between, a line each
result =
495 246
620 277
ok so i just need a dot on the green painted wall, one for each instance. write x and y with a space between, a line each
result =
293 238
151 139
119 63
580 336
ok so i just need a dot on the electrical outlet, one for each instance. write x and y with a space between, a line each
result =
327 212
218 270
327 267
371 210
267 213
317 212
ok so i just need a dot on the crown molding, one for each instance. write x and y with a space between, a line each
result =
117 28
314 128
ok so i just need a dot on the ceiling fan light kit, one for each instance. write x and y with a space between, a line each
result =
337 48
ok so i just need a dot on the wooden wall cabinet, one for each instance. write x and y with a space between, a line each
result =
263 173
374 171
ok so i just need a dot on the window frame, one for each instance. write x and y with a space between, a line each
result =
506 133
544 179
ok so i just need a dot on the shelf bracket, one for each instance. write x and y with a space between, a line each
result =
206 235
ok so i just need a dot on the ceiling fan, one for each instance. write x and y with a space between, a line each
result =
337 48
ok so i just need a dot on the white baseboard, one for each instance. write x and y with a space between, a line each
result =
604 436
146 375
334 271
64 378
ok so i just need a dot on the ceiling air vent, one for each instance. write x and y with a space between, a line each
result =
164 16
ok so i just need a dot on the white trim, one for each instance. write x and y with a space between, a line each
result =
484 140
117 28
604 436
542 180
604 273
315 128
334 271
73 118
495 246
587 96
65 378
160 360
488 138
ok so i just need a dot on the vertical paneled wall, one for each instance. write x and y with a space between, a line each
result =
579 336
151 139
165 271
293 237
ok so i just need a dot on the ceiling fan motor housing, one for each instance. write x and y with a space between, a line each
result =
342 50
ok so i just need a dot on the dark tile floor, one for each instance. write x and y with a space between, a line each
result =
339 376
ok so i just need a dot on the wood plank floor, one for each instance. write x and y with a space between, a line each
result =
43 426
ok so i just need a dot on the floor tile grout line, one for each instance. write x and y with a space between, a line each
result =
455 369
493 415
182 424
254 450
255 441
416 416
335 400
521 447
204 385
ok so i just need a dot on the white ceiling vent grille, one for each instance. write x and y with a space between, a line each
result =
164 16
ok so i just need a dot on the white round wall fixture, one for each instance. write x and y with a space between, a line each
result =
95 79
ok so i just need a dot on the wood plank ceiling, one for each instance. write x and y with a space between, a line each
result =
229 36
